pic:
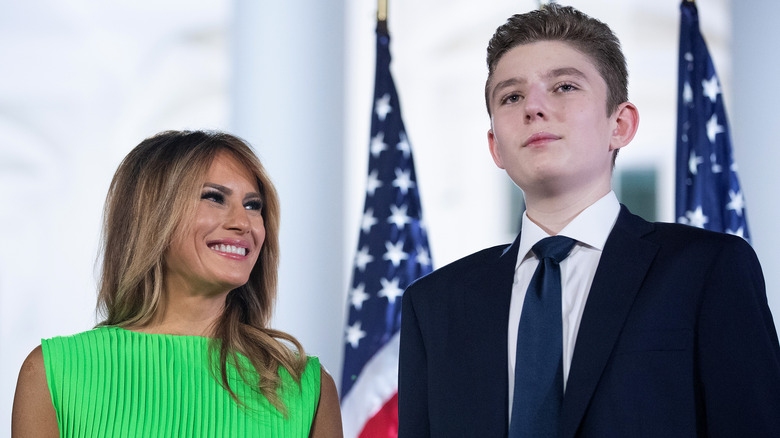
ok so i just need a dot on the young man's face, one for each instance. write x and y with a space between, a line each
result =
549 126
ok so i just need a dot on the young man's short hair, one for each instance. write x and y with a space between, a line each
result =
553 22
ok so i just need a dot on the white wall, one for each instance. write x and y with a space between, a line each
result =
81 83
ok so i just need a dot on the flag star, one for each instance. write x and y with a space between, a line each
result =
696 217
378 144
404 145
740 232
395 253
363 258
373 182
687 93
713 128
737 202
382 107
354 334
711 88
423 257
688 56
716 168
398 216
358 296
693 163
390 289
368 220
403 180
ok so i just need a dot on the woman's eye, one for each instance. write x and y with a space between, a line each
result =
213 197
254 205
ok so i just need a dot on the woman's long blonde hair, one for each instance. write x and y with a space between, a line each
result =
153 193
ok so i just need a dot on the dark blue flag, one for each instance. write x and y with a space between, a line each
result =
708 193
392 252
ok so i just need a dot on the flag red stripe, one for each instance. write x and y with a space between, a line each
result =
385 423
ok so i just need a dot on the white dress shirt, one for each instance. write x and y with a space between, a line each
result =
590 229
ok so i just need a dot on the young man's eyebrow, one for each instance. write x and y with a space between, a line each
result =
565 71
507 83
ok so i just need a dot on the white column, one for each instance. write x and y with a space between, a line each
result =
755 118
287 101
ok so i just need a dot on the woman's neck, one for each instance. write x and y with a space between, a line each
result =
185 314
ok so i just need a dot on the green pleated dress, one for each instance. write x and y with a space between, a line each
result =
112 382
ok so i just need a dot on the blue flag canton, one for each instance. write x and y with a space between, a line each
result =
708 191
393 245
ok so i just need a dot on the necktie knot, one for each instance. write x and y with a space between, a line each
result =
556 248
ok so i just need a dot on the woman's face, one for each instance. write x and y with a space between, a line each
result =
218 252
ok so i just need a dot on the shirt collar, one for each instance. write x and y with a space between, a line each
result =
591 227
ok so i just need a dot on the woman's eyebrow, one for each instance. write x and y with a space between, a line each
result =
219 187
229 191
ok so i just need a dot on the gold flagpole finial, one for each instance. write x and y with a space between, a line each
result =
381 10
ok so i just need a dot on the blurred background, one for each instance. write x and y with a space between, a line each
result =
83 82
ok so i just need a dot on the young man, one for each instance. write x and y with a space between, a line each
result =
659 329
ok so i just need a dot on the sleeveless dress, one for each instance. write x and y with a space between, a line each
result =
112 382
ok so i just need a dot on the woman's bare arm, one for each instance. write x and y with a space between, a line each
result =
33 413
327 419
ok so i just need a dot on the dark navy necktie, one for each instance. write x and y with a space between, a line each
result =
538 391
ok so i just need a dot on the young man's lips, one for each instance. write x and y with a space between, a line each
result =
539 138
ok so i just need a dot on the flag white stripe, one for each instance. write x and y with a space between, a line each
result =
376 384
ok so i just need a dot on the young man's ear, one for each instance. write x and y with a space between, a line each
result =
625 125
494 149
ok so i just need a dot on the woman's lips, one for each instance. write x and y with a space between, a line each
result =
233 248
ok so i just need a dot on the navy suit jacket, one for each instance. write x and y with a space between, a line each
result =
676 340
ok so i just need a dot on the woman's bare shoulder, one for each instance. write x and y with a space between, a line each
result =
33 413
327 420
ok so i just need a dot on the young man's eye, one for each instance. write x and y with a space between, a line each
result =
566 88
254 205
213 196
512 98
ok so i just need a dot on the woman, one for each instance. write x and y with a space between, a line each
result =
190 256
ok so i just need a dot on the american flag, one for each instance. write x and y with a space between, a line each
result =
392 252
708 193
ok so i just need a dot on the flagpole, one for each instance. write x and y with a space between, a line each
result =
381 16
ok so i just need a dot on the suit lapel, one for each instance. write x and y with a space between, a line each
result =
486 307
624 263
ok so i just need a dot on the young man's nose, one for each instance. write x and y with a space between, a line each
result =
535 105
